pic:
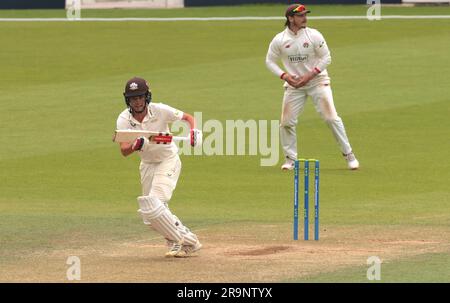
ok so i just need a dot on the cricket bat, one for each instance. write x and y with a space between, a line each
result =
154 137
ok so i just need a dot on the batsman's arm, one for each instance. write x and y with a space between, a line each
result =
126 148
196 136
129 148
189 119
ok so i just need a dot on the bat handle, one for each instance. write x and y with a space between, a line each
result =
174 138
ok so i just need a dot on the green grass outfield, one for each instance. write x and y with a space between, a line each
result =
428 268
64 184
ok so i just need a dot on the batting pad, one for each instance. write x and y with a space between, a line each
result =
161 219
189 237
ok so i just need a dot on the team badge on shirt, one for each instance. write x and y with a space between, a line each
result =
306 45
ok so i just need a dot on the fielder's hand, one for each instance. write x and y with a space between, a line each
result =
139 144
196 137
292 80
305 79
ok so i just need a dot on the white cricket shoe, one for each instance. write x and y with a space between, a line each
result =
175 250
352 162
288 165
190 249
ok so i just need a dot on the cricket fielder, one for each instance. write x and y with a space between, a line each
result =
305 56
160 164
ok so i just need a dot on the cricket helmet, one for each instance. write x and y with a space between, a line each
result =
137 87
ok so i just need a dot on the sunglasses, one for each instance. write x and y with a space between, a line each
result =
299 9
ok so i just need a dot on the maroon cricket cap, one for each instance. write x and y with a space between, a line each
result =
296 9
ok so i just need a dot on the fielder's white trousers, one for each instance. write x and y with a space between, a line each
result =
293 104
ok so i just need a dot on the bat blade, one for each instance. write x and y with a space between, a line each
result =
129 136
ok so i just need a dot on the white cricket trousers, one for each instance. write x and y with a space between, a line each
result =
159 180
293 104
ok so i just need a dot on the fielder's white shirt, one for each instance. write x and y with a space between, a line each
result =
158 117
300 53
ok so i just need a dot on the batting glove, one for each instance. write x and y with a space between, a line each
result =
139 144
196 137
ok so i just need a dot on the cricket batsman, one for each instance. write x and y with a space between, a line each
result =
305 56
160 164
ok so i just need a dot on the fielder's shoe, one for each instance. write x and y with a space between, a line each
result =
352 162
288 165
175 250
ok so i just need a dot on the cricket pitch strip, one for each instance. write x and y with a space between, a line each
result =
236 252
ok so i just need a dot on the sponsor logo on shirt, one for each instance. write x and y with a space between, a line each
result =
297 58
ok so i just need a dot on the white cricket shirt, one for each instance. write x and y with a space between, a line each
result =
300 53
158 117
